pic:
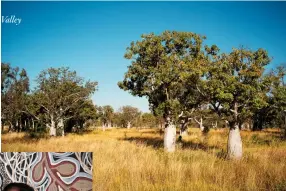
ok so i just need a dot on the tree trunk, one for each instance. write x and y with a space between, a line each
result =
25 125
17 126
170 136
33 124
226 125
109 124
202 128
11 126
53 126
257 123
214 125
128 125
285 127
184 129
20 125
103 126
234 144
200 123
61 126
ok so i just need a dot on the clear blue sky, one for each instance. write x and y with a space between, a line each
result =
91 37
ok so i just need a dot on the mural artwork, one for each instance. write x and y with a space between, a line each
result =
66 171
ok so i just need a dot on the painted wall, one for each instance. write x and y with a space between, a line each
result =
66 171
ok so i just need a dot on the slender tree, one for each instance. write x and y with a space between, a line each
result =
107 115
14 88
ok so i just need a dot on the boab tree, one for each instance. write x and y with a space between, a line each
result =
106 115
59 91
129 114
160 65
235 89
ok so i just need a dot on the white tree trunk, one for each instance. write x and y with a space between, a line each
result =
20 125
33 124
109 125
226 123
103 126
214 125
200 123
170 137
61 126
52 126
202 127
234 145
128 125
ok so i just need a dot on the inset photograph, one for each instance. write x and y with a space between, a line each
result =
46 171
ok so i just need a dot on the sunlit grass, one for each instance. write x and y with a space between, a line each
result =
135 160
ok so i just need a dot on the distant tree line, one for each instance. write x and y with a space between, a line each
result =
126 117
60 100
60 103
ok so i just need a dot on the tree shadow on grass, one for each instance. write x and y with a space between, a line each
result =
158 143
25 139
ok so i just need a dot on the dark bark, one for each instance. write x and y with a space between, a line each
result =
257 124
184 127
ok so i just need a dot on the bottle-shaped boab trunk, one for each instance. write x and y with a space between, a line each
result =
170 136
128 125
234 144
52 126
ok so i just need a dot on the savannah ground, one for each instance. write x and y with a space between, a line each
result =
131 160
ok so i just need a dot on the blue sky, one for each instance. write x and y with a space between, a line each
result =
91 37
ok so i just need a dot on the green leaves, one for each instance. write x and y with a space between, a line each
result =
129 113
237 78
160 66
14 87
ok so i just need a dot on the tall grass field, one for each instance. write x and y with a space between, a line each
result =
134 160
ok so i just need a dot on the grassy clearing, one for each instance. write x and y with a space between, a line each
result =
134 159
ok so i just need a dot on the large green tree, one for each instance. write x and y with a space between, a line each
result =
106 116
129 115
80 114
59 91
160 65
234 86
108 113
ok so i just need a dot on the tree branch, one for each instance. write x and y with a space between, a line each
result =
200 90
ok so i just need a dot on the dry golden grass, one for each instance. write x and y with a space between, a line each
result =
134 159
